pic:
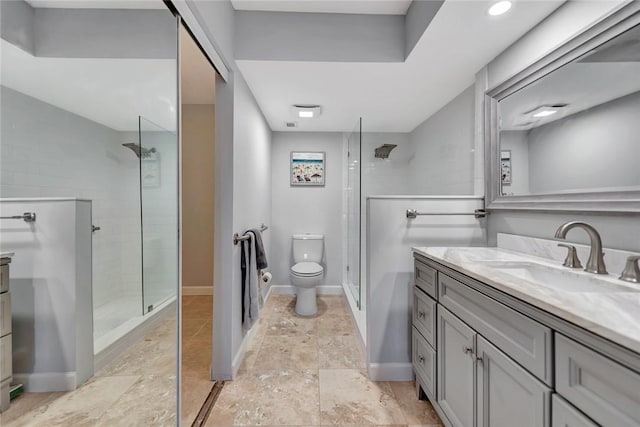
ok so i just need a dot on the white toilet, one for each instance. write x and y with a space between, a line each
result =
307 272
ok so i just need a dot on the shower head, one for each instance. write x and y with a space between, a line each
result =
383 151
140 150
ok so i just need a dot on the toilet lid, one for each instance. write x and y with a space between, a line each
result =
307 269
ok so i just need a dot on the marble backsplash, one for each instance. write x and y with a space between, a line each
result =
614 259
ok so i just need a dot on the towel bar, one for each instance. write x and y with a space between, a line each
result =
478 213
27 217
238 238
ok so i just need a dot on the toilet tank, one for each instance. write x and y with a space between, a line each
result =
308 247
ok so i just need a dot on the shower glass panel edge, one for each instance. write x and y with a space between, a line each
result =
353 213
159 213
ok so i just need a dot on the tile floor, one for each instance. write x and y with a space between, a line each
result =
136 389
310 371
197 335
297 371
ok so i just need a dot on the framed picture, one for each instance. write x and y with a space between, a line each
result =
307 168
505 166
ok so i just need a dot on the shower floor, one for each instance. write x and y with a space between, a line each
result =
114 313
118 317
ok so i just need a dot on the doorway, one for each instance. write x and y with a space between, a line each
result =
197 80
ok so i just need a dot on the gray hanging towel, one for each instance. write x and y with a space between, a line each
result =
251 298
261 256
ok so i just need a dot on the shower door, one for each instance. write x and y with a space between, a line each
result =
159 212
353 213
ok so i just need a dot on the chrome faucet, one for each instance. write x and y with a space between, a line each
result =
595 264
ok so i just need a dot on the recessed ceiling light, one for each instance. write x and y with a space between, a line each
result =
499 8
305 114
545 113
545 110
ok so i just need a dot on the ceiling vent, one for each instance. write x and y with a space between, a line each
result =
306 111
291 124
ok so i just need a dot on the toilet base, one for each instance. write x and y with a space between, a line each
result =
306 301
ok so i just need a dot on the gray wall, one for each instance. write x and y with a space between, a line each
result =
89 33
444 149
49 152
316 210
596 148
516 141
16 24
617 231
251 190
288 36
418 17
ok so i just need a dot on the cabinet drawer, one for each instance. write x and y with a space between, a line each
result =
424 364
601 388
4 278
426 279
424 316
5 357
526 341
565 415
5 314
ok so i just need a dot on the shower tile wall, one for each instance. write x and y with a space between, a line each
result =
61 154
386 176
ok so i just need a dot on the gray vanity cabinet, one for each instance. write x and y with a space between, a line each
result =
500 362
603 389
565 415
506 394
456 369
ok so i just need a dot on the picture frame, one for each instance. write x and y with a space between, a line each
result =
307 169
505 166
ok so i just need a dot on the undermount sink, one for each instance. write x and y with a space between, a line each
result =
559 278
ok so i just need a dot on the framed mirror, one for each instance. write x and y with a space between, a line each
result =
564 134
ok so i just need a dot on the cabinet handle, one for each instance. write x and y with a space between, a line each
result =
421 314
421 359
467 350
479 359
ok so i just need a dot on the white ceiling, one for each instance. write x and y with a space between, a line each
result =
394 97
198 77
98 4
112 92
383 7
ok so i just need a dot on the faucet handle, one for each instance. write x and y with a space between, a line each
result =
572 260
631 271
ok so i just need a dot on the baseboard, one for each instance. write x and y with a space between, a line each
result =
46 382
291 290
197 290
390 372
239 357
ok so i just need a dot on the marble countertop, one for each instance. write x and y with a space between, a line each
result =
613 315
6 254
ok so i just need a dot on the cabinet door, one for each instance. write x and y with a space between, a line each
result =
456 369
508 395
565 415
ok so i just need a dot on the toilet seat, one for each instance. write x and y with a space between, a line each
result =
307 269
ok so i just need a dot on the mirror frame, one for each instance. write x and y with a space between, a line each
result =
623 201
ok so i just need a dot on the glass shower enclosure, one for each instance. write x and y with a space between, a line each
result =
354 208
159 213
